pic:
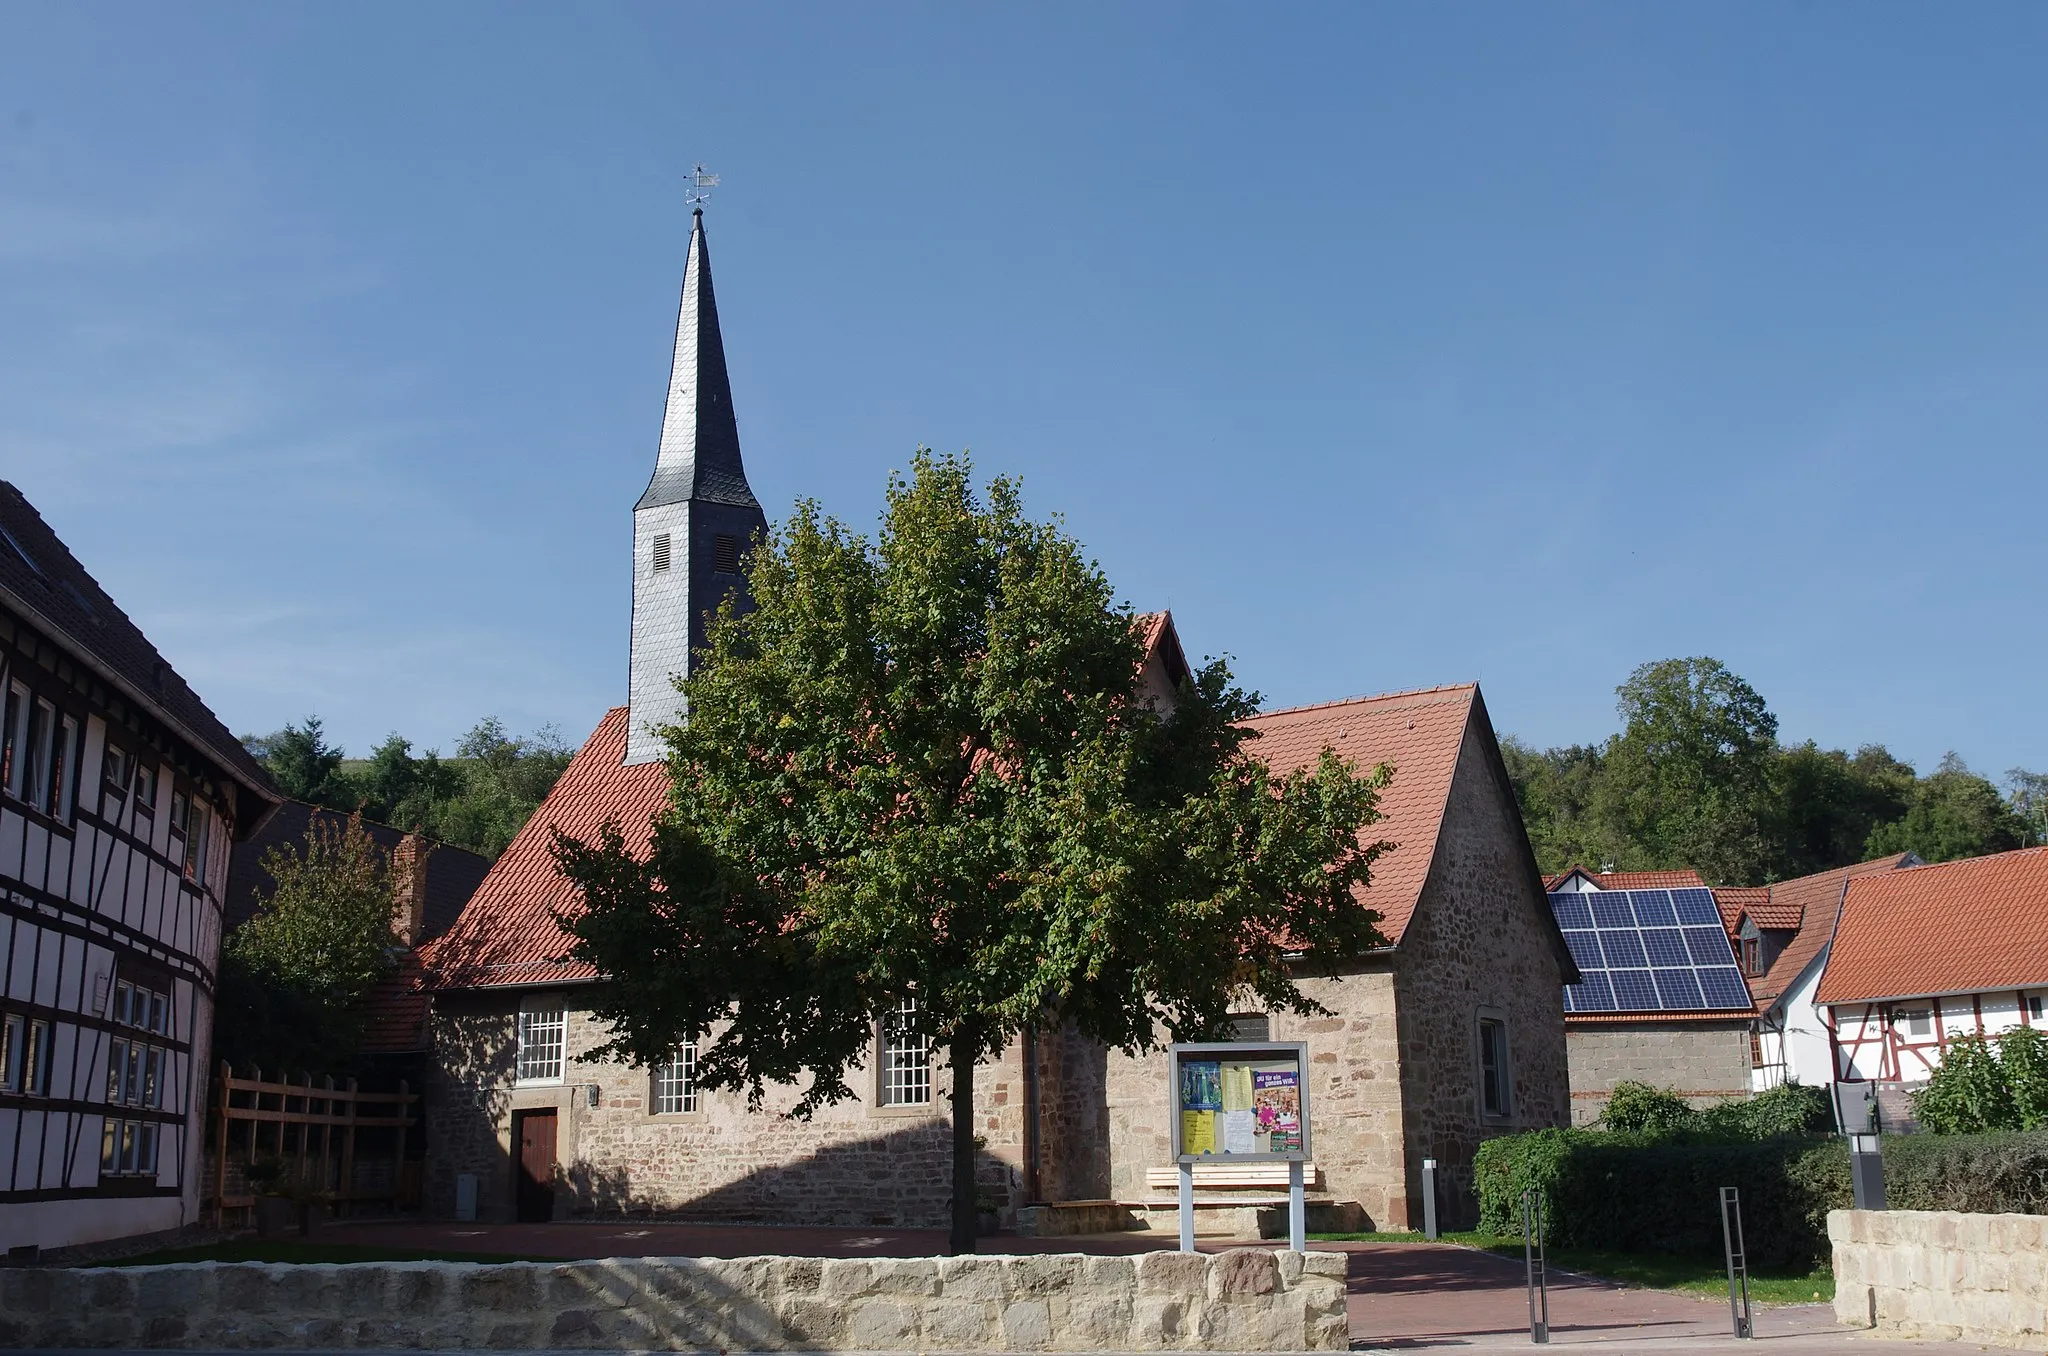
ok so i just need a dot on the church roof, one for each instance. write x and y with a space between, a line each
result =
1421 734
700 436
508 934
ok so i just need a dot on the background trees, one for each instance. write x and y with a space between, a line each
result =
294 976
920 773
1696 778
478 799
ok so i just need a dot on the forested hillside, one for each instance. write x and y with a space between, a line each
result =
476 799
1697 777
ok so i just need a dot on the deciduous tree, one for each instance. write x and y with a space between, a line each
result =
921 769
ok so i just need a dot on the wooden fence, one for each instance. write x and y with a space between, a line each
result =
312 1128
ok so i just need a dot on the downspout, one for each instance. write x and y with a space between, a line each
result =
1031 1191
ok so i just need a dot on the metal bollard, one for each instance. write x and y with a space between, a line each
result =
1533 1259
1738 1262
1429 1230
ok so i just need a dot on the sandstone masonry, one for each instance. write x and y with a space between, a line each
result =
1940 1274
1245 1300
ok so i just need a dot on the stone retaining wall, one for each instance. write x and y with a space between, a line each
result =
1244 1300
1939 1274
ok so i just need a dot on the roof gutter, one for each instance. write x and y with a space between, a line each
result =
269 799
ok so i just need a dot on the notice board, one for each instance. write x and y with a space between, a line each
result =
1239 1102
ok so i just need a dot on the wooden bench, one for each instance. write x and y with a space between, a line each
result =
1210 1176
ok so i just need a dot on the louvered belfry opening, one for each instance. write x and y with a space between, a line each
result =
725 554
661 553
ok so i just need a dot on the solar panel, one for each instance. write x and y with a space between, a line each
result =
1648 951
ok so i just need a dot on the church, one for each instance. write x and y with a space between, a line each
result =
1452 1033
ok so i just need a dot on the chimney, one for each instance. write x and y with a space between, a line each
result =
409 887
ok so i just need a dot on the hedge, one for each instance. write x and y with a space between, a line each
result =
1636 1193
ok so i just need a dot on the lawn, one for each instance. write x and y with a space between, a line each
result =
287 1251
1653 1271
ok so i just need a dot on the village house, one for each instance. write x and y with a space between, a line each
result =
120 795
1926 954
1661 1000
1451 1033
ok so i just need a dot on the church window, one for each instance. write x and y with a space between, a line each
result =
906 1059
725 554
661 553
543 1026
1494 1076
675 1082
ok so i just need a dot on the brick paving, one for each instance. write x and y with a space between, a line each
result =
1404 1296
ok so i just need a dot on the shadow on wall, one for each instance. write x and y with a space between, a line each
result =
898 1179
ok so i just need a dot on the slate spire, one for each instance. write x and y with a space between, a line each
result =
700 439
696 521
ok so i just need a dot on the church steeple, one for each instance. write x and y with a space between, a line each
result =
696 518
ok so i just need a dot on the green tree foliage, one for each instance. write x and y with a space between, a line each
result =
304 765
477 800
1985 1085
295 974
1954 813
1638 1109
920 769
1696 778
1687 782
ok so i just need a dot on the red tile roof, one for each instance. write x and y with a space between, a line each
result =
1733 901
507 935
1633 880
1420 733
1974 926
1811 902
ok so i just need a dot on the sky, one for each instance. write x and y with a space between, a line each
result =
1389 346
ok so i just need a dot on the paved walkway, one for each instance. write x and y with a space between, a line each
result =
1404 1296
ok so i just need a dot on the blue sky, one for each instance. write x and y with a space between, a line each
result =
1389 346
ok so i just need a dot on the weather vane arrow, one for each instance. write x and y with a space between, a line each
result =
701 184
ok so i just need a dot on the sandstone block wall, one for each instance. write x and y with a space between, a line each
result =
1704 1062
1246 1300
858 1163
1480 945
1939 1274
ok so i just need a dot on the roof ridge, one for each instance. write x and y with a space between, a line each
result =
1364 698
1980 857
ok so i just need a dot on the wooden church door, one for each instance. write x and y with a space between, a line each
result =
535 1185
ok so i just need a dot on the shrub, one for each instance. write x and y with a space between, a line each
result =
1638 1108
1971 1090
2024 1056
1995 1174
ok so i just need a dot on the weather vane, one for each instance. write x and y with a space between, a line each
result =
701 184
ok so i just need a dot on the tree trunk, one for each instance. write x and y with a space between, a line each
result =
965 1219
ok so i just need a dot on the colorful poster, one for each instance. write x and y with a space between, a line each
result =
1201 1086
1240 1132
1276 1103
1197 1132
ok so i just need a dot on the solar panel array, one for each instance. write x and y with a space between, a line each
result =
1648 951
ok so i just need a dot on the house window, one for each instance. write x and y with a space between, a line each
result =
145 790
65 779
1493 1067
675 1082
906 1059
14 739
42 737
116 768
35 1059
2034 1007
661 553
543 1026
128 1149
137 1070
12 1030
198 844
1750 949
725 554
1919 1022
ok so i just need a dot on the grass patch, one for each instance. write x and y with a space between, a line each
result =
1652 1271
285 1251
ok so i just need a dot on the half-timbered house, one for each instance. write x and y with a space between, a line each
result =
120 795
1925 954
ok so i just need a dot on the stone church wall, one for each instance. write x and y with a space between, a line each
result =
1477 946
858 1163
